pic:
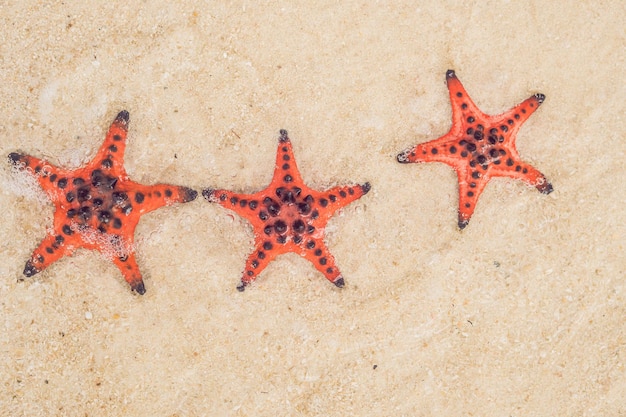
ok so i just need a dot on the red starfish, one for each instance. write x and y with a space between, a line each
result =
288 216
97 206
479 147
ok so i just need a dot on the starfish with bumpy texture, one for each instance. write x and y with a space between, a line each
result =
97 206
479 147
288 216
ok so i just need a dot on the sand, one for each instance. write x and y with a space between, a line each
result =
520 314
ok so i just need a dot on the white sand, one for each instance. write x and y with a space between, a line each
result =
521 314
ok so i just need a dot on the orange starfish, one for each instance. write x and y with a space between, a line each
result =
97 206
288 216
479 147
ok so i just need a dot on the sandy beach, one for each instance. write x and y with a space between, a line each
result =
519 314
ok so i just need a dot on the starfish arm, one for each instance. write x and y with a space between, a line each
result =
509 123
461 104
321 258
245 205
130 270
470 189
328 202
146 198
264 252
525 172
286 170
45 173
52 248
110 156
437 150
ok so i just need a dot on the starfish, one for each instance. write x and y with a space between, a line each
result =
97 206
288 216
479 147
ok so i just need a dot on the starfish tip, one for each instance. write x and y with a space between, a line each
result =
123 116
189 194
283 136
403 157
241 287
450 74
209 195
139 288
15 158
366 187
540 97
463 223
30 269
545 188
339 282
